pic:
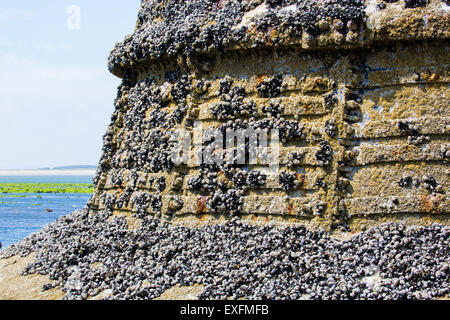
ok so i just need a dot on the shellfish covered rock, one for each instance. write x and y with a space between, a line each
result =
338 113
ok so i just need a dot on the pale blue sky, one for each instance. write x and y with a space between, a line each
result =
56 95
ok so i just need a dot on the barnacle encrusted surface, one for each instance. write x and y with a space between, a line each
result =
170 29
359 91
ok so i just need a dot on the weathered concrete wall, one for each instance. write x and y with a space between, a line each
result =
359 91
362 107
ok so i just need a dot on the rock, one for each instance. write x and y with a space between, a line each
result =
355 97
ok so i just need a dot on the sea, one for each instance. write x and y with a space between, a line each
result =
21 215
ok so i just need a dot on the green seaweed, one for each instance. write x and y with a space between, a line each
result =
14 196
8 188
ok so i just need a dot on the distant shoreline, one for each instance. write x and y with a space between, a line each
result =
60 172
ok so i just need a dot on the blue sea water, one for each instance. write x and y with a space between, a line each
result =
21 215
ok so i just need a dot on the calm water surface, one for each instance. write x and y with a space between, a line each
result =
21 215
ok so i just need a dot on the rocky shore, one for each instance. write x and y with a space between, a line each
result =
357 208
100 256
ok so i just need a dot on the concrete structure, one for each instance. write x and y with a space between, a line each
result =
358 90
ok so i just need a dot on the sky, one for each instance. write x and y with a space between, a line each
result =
56 94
